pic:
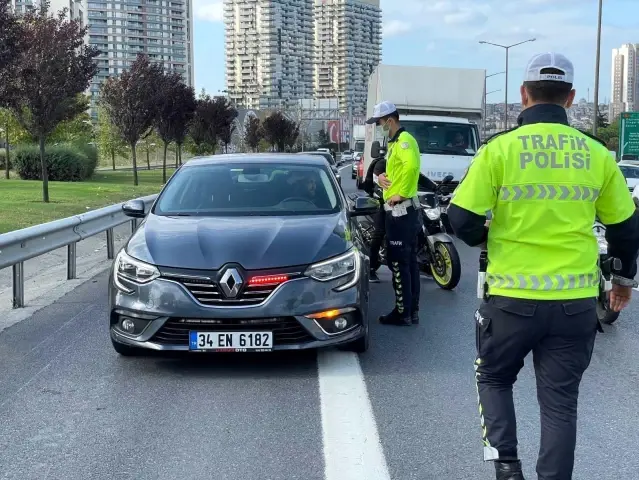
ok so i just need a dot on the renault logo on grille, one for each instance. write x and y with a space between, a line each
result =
231 282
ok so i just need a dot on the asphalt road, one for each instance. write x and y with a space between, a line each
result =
70 408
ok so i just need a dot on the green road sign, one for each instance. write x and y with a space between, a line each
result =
629 136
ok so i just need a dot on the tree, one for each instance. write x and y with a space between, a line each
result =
10 47
279 131
78 129
212 117
602 119
226 134
53 68
131 101
292 134
12 134
253 133
109 140
322 138
176 110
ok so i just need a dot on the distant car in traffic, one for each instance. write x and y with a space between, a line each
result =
243 253
329 158
630 171
347 156
354 168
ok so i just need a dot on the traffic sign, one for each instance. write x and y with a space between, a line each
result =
629 136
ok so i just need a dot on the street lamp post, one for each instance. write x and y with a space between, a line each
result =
486 95
507 48
596 99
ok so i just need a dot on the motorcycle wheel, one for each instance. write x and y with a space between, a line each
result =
446 266
604 314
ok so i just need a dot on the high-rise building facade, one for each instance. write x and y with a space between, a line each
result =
122 29
269 52
76 9
624 81
348 43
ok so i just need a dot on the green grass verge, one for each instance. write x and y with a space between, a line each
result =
21 203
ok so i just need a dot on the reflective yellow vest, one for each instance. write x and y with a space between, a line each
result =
544 183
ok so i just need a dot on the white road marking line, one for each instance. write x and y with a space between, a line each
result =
344 167
352 449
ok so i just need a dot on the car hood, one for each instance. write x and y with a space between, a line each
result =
253 242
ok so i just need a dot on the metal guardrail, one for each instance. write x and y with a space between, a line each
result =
21 245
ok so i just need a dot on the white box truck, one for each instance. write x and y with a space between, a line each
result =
440 107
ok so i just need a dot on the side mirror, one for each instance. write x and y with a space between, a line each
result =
447 179
376 149
364 206
134 209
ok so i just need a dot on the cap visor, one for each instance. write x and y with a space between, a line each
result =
372 120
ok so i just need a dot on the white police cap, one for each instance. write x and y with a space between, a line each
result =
381 110
543 61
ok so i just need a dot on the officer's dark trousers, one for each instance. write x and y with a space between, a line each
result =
561 336
401 239
378 238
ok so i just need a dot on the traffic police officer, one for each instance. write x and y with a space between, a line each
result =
544 183
402 219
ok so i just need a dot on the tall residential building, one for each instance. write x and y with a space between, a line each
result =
269 52
122 29
624 80
348 43
75 8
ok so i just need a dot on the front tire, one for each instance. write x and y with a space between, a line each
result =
446 267
360 345
125 350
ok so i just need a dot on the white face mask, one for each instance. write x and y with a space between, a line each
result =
386 129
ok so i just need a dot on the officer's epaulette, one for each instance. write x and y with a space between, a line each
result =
498 134
587 134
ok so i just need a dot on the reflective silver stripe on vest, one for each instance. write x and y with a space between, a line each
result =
549 192
542 282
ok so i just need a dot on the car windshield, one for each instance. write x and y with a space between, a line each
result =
249 189
629 172
442 137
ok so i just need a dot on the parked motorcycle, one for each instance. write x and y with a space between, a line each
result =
437 254
607 266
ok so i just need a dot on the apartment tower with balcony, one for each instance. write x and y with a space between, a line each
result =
624 80
122 29
348 44
269 52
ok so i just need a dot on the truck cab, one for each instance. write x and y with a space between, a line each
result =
441 107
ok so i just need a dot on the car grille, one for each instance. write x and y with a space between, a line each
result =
207 292
286 330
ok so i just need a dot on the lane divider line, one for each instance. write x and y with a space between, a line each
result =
352 448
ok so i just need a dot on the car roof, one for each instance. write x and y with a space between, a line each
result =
283 158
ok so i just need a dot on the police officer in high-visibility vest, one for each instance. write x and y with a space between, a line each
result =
401 204
544 183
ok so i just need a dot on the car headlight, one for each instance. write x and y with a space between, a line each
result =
346 266
433 213
127 270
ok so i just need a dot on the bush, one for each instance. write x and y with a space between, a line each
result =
91 152
65 162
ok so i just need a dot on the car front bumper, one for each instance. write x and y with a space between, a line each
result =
165 311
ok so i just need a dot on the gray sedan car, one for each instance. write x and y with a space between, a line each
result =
243 253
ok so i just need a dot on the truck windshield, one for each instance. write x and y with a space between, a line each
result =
359 146
442 137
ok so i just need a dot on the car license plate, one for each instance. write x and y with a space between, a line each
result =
231 341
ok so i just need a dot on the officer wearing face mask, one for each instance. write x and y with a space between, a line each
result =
401 204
